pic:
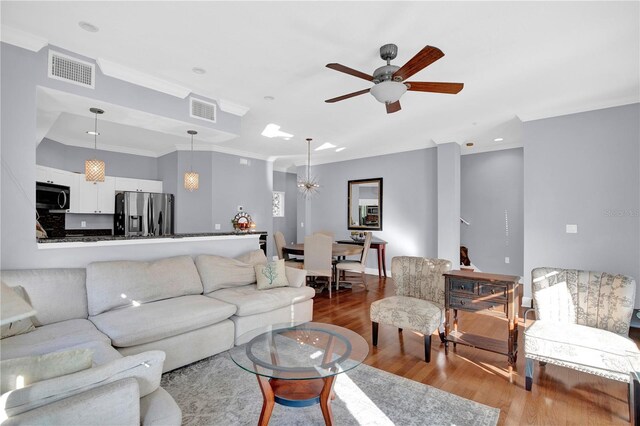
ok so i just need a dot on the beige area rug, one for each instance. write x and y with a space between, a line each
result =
215 391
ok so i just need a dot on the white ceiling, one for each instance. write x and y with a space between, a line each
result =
518 61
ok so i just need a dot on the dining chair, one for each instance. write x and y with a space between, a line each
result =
355 265
317 257
280 243
330 234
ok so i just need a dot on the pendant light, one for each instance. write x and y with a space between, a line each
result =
94 169
191 178
309 185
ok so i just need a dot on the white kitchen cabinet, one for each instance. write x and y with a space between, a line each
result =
96 197
138 185
55 176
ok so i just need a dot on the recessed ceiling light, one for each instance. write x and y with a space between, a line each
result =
498 139
269 98
325 145
469 144
198 70
273 131
88 27
91 132
340 149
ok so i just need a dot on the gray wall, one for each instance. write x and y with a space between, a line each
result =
583 169
287 183
59 156
492 184
409 201
22 71
449 202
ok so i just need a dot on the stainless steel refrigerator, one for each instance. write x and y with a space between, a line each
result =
143 214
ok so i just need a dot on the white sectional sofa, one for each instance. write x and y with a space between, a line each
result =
161 315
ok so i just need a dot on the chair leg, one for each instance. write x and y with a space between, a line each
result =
427 347
399 330
329 283
374 328
542 363
364 281
442 337
528 371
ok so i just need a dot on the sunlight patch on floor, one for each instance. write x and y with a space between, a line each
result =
360 406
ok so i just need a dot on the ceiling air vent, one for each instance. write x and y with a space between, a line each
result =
203 110
71 70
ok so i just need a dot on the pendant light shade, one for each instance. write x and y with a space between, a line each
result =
94 169
309 185
191 178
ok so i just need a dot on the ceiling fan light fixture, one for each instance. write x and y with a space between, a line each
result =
388 92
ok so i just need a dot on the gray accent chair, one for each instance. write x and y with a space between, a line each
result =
419 301
582 322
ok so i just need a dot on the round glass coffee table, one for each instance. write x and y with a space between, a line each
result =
296 365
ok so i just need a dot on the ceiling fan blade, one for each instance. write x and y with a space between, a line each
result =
423 86
393 107
350 71
347 96
423 59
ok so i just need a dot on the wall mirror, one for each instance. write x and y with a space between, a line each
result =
364 204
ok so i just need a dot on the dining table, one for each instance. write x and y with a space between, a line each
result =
337 250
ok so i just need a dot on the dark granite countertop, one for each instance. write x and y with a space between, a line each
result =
95 238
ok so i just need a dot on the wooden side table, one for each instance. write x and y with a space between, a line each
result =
380 246
483 293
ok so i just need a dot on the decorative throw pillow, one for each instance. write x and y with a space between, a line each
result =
20 372
21 326
271 275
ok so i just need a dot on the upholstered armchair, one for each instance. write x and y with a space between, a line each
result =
582 322
419 301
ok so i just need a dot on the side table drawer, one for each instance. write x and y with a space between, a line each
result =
469 304
493 290
463 286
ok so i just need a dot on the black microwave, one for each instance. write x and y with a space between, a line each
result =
52 197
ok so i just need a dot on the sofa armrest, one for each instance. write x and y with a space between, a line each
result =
295 276
145 368
114 403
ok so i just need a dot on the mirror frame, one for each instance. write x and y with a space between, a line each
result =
363 227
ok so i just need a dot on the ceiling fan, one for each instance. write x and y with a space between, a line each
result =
389 79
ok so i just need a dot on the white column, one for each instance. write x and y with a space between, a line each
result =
449 203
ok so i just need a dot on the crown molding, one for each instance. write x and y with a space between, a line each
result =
222 150
594 106
121 72
22 39
232 108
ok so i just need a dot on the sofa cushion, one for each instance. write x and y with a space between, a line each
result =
271 275
51 338
219 272
255 257
119 283
249 300
56 294
145 368
14 298
154 321
18 372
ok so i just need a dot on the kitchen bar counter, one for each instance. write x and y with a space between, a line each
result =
119 240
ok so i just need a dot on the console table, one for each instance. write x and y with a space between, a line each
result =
380 246
483 293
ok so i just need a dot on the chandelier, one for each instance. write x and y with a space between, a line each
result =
309 185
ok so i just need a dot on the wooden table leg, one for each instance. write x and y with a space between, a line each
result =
379 250
447 314
325 400
268 400
383 248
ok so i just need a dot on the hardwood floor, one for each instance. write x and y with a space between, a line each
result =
559 395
